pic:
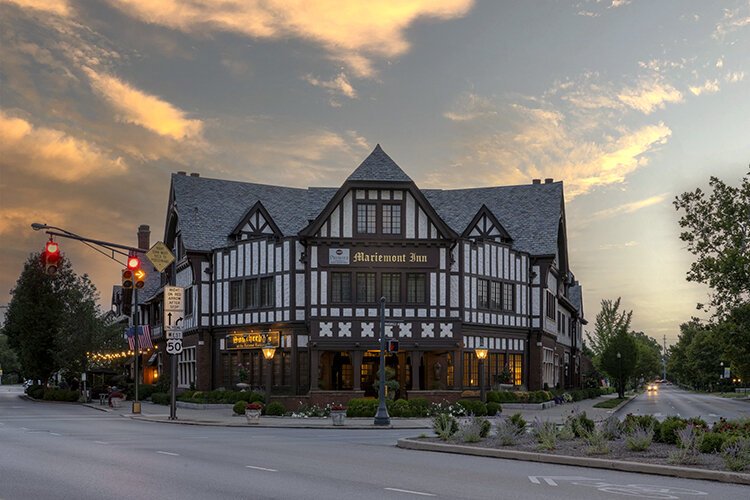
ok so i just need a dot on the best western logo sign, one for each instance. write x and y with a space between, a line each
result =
383 257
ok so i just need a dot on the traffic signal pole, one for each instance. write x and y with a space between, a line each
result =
136 364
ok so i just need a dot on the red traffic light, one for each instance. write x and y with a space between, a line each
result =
51 258
134 262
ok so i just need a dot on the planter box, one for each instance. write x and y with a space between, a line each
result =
338 417
253 416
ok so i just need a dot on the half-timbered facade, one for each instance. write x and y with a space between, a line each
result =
305 269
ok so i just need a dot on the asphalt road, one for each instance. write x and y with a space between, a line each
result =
57 450
671 400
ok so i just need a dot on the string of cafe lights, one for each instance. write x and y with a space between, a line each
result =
115 355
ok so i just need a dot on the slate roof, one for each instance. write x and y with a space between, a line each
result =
379 167
575 295
530 213
209 209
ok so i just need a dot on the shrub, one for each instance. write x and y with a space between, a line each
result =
35 391
493 409
239 407
420 407
582 425
566 432
736 454
711 442
445 425
275 408
639 438
60 395
508 432
311 411
633 422
362 407
400 408
669 428
474 430
501 397
612 428
545 434
598 442
473 407
161 398
687 438
518 421
146 390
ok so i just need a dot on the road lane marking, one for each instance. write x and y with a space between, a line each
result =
422 493
169 453
261 468
101 442
55 434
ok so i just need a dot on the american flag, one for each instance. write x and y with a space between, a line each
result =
144 337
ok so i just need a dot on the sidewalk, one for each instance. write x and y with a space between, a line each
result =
225 417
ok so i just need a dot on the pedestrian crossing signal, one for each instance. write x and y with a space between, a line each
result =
392 346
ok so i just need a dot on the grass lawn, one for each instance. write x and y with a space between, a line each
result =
610 403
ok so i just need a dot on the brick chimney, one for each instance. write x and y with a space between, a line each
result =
549 180
144 236
536 181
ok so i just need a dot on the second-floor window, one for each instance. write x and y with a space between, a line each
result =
391 287
416 288
251 293
341 287
495 295
365 287
235 295
267 292
188 301
551 306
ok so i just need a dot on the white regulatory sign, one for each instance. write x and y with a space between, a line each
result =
174 346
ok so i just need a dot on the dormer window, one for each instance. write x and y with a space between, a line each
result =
391 218
366 223
379 218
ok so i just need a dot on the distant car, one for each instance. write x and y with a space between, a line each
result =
652 387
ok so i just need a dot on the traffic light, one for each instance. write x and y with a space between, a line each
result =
392 346
127 278
140 278
51 258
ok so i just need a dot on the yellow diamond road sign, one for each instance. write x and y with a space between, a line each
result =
160 256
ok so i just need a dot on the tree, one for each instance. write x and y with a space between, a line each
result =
8 359
678 364
649 356
717 231
735 335
53 321
609 323
623 367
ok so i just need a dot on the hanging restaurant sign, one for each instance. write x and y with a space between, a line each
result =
252 340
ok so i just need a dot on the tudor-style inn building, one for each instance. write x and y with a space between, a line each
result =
304 270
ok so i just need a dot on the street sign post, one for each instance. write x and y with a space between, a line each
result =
174 311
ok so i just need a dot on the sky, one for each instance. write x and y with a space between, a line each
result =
629 103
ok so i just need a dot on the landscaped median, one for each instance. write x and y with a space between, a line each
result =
676 447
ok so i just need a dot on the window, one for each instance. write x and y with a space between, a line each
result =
186 366
515 363
341 287
548 367
483 294
366 218
509 293
251 293
365 287
550 305
391 219
188 301
267 292
496 295
416 285
235 295
559 322
391 286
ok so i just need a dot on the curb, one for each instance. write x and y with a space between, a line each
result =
267 426
596 463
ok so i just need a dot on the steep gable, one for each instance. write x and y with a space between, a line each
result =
256 223
485 226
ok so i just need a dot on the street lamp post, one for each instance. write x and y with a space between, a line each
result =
269 350
481 352
620 391
382 417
